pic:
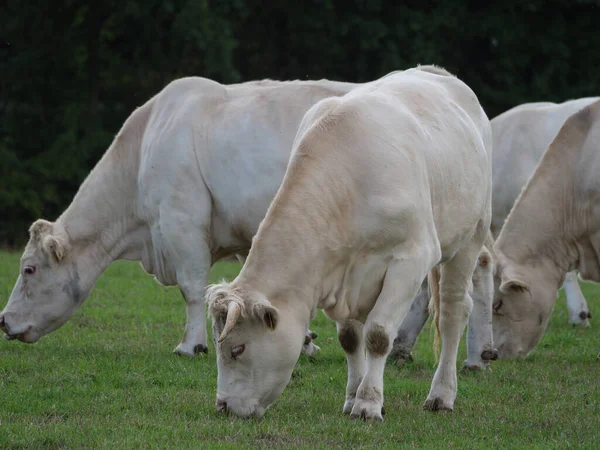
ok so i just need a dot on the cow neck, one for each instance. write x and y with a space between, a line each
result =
102 220
541 229
286 261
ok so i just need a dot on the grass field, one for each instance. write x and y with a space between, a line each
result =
107 379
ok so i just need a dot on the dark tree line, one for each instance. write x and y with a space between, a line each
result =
72 71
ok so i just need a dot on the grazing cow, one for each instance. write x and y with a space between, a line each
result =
553 228
521 135
185 183
383 185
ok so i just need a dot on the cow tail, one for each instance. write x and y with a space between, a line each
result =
433 280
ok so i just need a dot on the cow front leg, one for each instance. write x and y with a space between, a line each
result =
401 284
351 340
194 336
181 239
480 343
411 327
579 313
192 280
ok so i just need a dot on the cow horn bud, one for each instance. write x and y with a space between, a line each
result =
233 313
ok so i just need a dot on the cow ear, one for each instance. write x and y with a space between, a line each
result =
39 228
513 285
270 318
268 314
55 247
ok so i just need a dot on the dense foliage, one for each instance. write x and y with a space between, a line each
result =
71 71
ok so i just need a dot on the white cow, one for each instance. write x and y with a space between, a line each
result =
383 185
521 135
553 228
185 182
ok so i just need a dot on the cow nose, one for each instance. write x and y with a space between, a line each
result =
2 322
221 405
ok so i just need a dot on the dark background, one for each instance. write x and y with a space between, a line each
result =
72 71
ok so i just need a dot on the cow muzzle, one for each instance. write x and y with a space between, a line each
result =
239 408
11 332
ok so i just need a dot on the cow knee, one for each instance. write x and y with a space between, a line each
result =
349 339
377 341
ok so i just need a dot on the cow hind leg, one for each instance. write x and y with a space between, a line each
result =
411 327
401 284
480 345
579 313
455 307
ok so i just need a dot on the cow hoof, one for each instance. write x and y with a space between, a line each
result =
489 355
309 337
367 411
190 352
474 367
436 404
349 404
400 356
200 348
582 319
311 349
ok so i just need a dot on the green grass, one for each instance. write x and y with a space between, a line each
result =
108 379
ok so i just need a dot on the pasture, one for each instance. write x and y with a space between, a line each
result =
108 379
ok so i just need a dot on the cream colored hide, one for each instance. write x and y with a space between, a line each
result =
521 135
553 228
480 345
383 185
185 182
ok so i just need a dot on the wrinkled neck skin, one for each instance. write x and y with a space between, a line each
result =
532 260
543 231
101 223
290 271
538 245
541 266
294 286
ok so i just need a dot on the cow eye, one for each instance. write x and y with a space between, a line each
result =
29 270
237 351
496 306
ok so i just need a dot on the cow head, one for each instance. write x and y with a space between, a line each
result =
48 290
522 307
257 349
